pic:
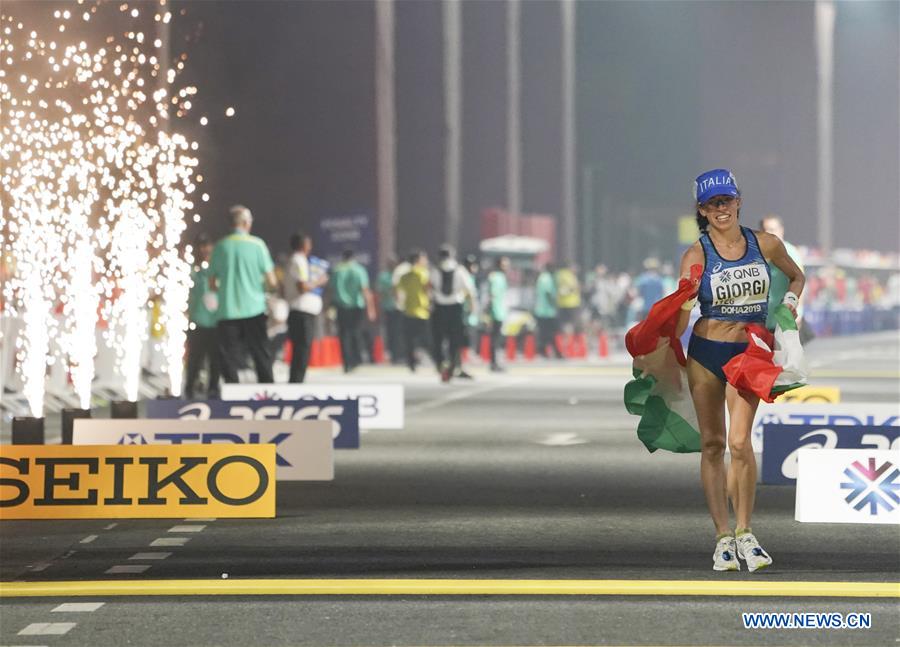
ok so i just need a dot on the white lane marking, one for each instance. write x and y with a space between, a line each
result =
110 526
47 629
77 607
127 569
140 556
39 567
88 539
461 395
201 519
170 541
565 439
187 528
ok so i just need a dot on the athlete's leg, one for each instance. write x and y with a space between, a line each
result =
742 472
708 394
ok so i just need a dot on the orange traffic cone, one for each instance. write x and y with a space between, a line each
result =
464 354
378 350
510 348
485 350
570 346
559 345
529 347
580 345
603 344
288 351
315 353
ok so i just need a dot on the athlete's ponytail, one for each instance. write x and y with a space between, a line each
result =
702 222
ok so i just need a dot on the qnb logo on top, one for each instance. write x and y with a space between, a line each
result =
875 488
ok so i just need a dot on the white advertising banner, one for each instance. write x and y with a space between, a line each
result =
848 486
381 406
304 449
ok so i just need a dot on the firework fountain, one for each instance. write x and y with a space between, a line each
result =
95 184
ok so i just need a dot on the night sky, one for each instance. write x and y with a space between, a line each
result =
664 91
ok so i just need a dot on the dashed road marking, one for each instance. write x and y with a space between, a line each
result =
78 607
187 528
129 569
110 526
88 539
48 629
140 556
169 541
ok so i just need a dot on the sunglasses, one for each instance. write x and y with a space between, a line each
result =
719 201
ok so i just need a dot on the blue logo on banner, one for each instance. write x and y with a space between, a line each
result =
344 412
781 443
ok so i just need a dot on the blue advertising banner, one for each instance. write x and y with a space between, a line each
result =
358 232
782 442
344 412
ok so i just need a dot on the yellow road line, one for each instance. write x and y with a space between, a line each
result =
452 587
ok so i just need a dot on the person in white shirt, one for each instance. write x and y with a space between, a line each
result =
451 288
301 292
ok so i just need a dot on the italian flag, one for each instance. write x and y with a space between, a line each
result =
659 392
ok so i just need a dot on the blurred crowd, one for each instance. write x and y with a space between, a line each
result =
433 308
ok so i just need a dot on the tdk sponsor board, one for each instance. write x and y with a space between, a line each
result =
136 481
848 486
823 414
304 450
380 405
785 442
344 413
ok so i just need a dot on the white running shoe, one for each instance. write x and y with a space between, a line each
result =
725 557
749 550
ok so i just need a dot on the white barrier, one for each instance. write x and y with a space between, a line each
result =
304 448
848 486
381 406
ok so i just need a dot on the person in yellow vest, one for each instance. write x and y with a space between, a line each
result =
568 298
414 292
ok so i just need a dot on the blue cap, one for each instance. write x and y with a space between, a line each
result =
719 181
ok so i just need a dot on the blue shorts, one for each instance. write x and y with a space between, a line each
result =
713 355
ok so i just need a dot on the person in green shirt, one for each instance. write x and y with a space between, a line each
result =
201 335
352 299
545 311
392 318
496 306
240 270
414 292
778 284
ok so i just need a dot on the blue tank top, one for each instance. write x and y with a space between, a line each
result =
734 290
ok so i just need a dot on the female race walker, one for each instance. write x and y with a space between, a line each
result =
733 292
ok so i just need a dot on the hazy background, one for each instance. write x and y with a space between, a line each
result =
664 91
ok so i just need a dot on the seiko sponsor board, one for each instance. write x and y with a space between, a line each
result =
136 481
380 405
304 450
785 442
824 415
344 413
848 486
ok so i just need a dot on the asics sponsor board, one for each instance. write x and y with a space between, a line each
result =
848 486
136 481
344 413
784 443
809 393
823 414
380 405
304 450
